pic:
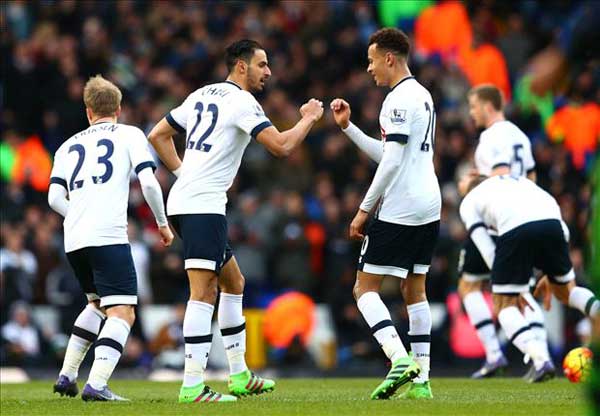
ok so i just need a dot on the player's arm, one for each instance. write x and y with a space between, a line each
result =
477 229
144 167
58 193
388 167
58 196
281 144
341 113
161 139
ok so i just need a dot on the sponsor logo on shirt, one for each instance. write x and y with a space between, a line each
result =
398 116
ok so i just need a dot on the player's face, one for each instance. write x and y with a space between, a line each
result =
477 111
377 65
258 71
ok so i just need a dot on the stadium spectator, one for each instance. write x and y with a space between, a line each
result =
21 338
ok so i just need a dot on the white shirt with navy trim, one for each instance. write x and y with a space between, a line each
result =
505 202
219 121
412 197
95 167
504 144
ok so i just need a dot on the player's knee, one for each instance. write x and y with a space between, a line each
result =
466 287
235 287
562 292
124 312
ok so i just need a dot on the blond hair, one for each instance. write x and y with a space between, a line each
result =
488 93
101 96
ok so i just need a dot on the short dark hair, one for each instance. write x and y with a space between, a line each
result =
488 93
391 39
242 49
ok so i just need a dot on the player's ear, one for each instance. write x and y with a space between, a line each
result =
242 66
89 114
118 112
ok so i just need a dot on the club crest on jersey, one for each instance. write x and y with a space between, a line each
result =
398 116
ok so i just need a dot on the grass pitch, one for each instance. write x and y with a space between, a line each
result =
302 397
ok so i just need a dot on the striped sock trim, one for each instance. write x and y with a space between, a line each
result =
419 338
519 332
483 323
199 339
590 304
383 324
232 331
84 333
109 342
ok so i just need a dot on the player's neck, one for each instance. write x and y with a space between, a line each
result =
402 73
494 119
103 120
239 81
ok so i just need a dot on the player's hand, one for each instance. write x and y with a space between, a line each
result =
166 235
543 289
341 112
357 225
313 109
465 181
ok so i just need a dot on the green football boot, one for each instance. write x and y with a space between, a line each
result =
417 391
201 393
403 371
247 383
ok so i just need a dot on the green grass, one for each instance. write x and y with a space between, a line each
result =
453 396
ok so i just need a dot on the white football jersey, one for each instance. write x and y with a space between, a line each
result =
505 202
408 116
95 167
219 120
504 144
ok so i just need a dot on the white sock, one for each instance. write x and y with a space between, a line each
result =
108 350
584 300
198 338
419 316
85 331
517 330
481 318
535 319
233 330
378 318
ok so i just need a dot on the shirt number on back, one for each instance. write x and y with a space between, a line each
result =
199 144
518 158
110 148
430 126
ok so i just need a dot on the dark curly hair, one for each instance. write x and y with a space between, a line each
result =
391 39
241 49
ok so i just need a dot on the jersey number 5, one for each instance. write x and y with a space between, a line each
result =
199 144
110 148
430 127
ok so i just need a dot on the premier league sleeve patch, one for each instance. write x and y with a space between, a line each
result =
398 116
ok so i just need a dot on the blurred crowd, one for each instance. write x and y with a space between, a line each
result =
288 218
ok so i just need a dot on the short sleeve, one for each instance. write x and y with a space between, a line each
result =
250 116
491 154
58 175
395 119
139 151
528 160
469 213
178 116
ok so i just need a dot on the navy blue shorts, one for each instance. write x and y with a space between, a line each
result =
396 250
106 273
471 265
204 238
540 244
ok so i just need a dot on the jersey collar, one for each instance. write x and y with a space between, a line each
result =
402 80
232 83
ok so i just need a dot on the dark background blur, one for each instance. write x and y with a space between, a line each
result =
288 218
